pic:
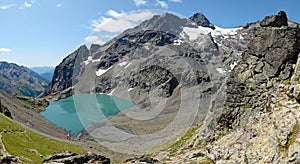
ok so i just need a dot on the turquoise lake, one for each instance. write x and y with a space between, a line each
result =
76 112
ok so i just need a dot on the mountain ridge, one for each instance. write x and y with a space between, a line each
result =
20 79
217 80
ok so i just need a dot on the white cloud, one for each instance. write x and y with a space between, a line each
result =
120 21
27 4
112 25
59 5
113 13
5 51
140 2
94 40
106 28
7 6
162 4
138 16
176 1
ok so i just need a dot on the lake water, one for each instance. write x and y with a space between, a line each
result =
76 112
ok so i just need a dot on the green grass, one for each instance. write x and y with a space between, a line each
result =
29 145
293 135
37 104
206 160
288 82
291 139
181 143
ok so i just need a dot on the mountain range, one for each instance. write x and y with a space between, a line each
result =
202 93
185 69
44 71
20 79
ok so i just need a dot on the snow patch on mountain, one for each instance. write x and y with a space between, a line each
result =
193 33
128 65
90 60
123 63
101 71
178 42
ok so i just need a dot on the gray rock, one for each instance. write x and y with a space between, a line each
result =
142 160
67 72
201 20
68 157
278 65
296 92
9 160
275 20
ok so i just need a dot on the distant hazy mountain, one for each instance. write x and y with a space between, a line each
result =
19 79
45 71
42 69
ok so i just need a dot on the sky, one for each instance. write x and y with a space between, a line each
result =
43 32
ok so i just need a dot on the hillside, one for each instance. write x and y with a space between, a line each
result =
19 79
258 121
27 137
27 146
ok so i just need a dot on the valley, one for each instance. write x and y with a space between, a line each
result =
170 90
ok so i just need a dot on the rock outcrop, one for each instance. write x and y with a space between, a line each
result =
68 157
268 62
259 119
275 20
146 160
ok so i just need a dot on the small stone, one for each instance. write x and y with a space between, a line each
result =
296 92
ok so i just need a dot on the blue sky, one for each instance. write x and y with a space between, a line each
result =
43 32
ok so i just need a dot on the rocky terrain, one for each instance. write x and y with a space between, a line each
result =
170 67
202 94
258 121
19 79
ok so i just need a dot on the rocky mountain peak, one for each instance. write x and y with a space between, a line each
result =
167 23
275 20
201 20
94 48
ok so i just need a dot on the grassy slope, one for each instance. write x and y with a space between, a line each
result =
29 146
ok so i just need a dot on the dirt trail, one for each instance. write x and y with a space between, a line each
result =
3 151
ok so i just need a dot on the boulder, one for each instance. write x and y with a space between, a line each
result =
69 157
9 159
142 160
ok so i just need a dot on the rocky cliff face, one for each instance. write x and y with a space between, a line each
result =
171 68
194 38
19 79
66 74
268 62
258 121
